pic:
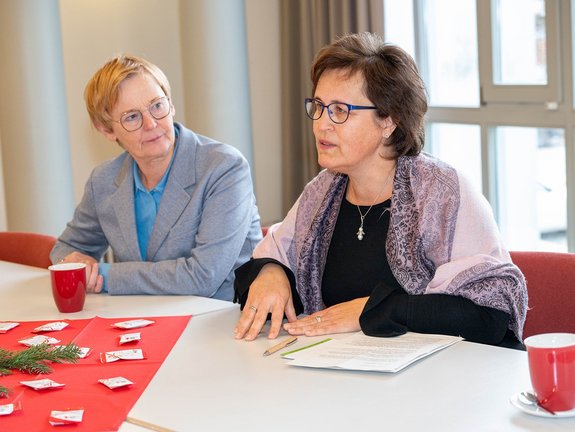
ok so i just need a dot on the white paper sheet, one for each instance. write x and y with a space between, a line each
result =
361 352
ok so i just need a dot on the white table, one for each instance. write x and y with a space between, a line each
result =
211 382
26 294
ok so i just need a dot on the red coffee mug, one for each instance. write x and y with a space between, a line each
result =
552 369
68 286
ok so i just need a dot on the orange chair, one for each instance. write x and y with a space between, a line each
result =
550 280
26 248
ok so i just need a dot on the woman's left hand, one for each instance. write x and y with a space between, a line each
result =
340 318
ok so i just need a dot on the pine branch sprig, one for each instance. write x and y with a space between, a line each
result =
35 359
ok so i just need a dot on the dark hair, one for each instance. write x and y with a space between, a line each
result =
392 84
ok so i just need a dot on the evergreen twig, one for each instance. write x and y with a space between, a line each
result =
35 359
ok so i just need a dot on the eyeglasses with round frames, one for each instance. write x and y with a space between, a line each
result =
134 119
338 111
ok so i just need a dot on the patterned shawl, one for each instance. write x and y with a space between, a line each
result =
442 239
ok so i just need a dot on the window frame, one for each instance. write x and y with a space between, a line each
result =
490 92
504 109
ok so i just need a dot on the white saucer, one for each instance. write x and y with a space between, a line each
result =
517 401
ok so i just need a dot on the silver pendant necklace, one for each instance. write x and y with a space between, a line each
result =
360 232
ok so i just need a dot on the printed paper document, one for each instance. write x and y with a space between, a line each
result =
361 352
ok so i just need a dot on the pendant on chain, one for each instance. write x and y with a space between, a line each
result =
360 231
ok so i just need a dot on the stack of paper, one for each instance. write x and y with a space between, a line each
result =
361 352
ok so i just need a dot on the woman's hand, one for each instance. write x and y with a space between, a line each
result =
270 292
339 318
94 281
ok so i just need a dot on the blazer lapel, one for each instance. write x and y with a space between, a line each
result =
176 196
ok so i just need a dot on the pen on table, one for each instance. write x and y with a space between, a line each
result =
280 346
147 425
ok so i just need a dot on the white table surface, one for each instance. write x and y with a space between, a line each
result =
26 294
211 382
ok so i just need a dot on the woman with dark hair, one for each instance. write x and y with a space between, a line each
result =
386 239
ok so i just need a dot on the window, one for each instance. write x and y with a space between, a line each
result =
448 54
514 61
460 146
520 53
531 191
497 110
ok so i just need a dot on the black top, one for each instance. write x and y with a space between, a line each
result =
359 268
350 272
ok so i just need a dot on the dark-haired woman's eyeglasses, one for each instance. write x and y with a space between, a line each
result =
338 111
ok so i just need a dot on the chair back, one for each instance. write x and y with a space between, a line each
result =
550 280
26 248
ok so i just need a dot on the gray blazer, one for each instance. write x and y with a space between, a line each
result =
207 224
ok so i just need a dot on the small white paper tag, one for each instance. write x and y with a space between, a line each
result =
59 418
37 340
115 382
129 337
8 409
133 324
5 326
84 351
112 356
42 384
53 326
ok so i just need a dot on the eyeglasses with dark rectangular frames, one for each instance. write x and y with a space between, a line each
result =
338 111
134 120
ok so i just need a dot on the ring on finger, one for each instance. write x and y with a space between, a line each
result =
318 318
255 309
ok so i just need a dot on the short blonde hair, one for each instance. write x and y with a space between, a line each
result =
101 92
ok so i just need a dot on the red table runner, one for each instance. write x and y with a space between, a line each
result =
104 409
